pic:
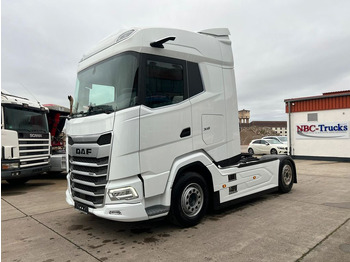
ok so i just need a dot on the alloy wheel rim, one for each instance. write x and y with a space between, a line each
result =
192 200
287 174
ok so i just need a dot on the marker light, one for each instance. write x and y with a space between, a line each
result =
124 35
125 193
7 166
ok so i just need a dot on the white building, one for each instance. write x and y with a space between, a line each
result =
318 126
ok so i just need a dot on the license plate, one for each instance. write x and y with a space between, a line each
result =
81 207
37 170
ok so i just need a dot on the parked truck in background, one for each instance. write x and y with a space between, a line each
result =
154 130
25 139
56 119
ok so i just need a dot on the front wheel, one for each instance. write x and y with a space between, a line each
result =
251 151
286 176
189 201
273 151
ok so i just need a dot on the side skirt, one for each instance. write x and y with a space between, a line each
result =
216 198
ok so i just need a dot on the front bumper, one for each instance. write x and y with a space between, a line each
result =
58 163
24 172
117 212
281 152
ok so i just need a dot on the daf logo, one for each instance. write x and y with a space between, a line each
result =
83 151
35 135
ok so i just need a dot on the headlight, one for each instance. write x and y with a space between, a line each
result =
7 166
282 148
125 193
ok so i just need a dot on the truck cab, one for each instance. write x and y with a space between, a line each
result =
25 139
154 130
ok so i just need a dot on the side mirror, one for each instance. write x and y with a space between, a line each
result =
70 98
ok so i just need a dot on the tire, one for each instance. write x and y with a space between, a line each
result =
251 151
19 181
286 176
189 200
273 151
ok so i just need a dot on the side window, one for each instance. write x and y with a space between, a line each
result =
164 83
194 79
312 117
256 142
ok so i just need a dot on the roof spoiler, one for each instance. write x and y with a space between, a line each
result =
216 32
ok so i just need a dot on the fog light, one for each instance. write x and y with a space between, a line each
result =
125 193
7 166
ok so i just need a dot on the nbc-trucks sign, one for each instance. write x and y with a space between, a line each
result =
334 130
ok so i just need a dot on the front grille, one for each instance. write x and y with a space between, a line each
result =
96 190
101 161
90 179
92 201
89 169
88 175
34 151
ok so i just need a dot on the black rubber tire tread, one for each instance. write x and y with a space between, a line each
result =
176 214
282 186
251 151
274 150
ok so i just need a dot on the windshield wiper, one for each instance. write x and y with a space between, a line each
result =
39 130
100 109
27 130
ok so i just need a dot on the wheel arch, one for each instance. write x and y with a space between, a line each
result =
281 159
199 168
197 163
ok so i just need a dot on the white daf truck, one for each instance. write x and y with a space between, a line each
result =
154 130
25 139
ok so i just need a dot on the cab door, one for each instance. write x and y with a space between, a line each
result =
165 119
265 149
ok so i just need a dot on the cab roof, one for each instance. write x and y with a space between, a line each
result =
211 45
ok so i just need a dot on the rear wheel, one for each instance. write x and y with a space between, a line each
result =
189 201
286 176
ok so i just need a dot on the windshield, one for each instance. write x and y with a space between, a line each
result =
107 86
273 141
25 120
283 138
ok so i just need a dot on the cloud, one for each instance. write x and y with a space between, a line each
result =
282 49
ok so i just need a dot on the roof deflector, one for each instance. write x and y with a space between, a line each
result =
217 32
159 43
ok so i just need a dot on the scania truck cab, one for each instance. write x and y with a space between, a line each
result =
25 139
154 130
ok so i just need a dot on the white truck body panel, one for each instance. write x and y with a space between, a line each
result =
125 159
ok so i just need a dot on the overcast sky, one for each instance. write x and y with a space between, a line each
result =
282 48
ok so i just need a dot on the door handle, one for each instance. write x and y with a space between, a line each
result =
185 132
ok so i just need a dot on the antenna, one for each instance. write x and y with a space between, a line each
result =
29 92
